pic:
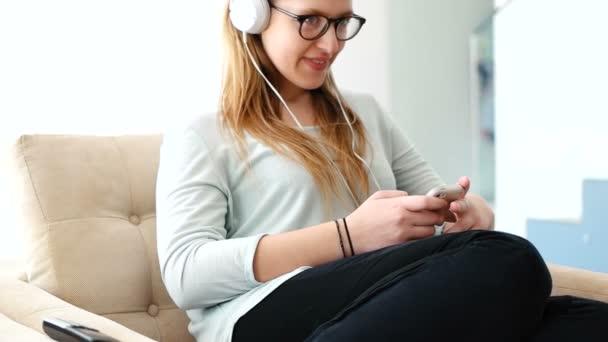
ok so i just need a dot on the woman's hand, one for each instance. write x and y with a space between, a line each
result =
391 217
472 212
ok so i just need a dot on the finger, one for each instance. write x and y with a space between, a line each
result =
453 228
461 225
421 232
460 206
447 215
426 218
419 203
388 194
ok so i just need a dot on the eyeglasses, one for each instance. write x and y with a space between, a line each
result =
315 26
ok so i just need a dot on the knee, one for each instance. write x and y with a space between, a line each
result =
506 244
516 259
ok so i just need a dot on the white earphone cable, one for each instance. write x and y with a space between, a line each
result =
295 119
353 147
257 67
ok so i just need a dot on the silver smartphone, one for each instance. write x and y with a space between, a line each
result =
447 192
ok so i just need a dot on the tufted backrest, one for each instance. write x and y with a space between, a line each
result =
89 212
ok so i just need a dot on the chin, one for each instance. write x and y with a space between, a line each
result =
312 85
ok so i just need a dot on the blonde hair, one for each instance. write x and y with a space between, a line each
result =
247 104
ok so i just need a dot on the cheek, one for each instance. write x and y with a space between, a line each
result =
283 49
286 56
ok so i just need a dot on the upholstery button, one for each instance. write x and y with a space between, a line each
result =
134 219
153 310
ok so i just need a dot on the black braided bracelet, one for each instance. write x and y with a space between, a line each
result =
340 236
350 242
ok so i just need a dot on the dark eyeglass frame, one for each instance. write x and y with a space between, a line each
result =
336 21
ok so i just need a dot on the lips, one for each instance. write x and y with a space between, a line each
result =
317 64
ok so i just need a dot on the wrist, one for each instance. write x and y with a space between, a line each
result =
350 241
344 237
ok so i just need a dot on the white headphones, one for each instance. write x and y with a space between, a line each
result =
250 16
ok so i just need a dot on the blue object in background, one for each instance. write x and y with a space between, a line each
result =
581 244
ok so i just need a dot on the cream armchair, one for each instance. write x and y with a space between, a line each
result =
89 221
88 212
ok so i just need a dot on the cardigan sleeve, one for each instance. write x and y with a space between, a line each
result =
199 266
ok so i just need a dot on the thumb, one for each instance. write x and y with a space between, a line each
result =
465 183
387 194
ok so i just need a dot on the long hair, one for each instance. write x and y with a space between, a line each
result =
247 104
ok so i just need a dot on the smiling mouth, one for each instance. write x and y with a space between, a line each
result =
318 64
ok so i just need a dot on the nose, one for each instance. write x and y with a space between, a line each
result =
329 42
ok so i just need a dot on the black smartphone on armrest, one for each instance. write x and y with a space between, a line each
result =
67 331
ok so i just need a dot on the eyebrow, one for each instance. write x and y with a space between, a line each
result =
311 11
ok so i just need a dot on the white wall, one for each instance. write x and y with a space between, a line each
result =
430 78
131 66
110 67
552 114
364 62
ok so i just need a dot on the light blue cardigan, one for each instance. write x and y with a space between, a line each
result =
211 212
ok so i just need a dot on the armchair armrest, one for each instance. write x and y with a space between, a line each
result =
579 282
28 305
15 332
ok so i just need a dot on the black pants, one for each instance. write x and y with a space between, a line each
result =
472 286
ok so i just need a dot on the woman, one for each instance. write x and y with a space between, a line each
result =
298 213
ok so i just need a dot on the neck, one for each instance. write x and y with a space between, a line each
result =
292 93
300 104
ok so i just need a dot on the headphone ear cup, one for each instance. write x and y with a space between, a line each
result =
250 16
